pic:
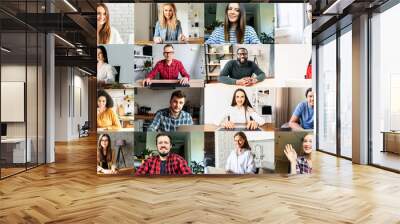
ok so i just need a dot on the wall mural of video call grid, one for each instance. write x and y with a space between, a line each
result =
204 88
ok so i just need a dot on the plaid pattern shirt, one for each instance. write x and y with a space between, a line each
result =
302 166
175 165
168 71
163 121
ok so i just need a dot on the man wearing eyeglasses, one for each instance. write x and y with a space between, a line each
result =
241 72
169 68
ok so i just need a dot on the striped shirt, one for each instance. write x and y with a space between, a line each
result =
163 121
217 36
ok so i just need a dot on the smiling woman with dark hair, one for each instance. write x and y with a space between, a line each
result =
106 162
106 117
234 29
105 72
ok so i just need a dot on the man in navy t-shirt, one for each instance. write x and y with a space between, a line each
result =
303 115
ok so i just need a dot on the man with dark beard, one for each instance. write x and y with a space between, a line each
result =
166 162
241 71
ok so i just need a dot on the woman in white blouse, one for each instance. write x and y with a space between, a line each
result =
106 34
241 112
105 72
240 160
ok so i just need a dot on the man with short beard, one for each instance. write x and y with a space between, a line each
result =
166 162
240 72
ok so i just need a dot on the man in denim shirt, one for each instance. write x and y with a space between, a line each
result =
303 115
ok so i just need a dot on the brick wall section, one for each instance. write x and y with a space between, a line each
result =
121 18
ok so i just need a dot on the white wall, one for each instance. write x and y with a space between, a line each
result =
122 55
122 19
191 56
69 83
142 21
291 61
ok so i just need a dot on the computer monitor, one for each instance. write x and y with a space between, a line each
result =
3 129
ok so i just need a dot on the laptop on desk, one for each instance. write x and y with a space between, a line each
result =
163 85
238 127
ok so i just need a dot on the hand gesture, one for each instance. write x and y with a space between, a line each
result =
290 153
252 125
146 82
242 82
181 37
184 81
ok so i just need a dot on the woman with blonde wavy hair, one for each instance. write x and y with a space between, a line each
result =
168 27
106 34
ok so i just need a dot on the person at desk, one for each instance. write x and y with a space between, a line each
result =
166 162
234 29
106 117
241 111
169 119
169 68
240 160
168 27
303 115
106 34
240 71
106 160
300 164
105 72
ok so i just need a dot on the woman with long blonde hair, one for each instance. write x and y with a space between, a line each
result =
106 34
168 27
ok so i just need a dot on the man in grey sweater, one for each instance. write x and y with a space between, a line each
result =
241 71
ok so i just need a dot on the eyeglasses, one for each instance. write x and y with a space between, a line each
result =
168 52
104 140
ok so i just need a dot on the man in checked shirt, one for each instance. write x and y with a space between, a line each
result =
166 162
169 68
169 119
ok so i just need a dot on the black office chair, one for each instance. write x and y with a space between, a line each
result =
84 130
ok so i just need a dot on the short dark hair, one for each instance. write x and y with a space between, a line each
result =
168 45
164 134
241 48
109 100
308 90
178 94
104 52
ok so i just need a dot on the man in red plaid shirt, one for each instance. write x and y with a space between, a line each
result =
169 68
166 162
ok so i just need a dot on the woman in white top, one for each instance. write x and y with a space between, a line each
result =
105 72
240 160
105 33
242 112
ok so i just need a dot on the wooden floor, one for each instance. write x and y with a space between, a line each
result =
69 191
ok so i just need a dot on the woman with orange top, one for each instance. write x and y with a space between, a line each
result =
106 117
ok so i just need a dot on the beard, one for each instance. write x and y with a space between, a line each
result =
163 154
242 61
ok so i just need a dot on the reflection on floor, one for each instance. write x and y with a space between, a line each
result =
69 191
14 170
387 159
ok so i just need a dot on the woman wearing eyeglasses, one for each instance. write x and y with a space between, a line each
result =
106 162
168 27
168 68
106 34
234 29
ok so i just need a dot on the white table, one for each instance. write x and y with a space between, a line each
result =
19 154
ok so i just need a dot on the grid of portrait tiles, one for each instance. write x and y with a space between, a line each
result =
204 88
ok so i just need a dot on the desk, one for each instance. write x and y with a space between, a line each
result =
213 127
198 40
272 83
125 121
194 83
104 130
15 148
391 141
121 172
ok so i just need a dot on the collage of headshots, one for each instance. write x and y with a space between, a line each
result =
204 88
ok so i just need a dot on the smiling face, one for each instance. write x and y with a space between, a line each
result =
240 98
101 16
104 142
101 102
239 142
168 12
307 144
100 56
176 104
310 98
233 12
163 145
242 55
